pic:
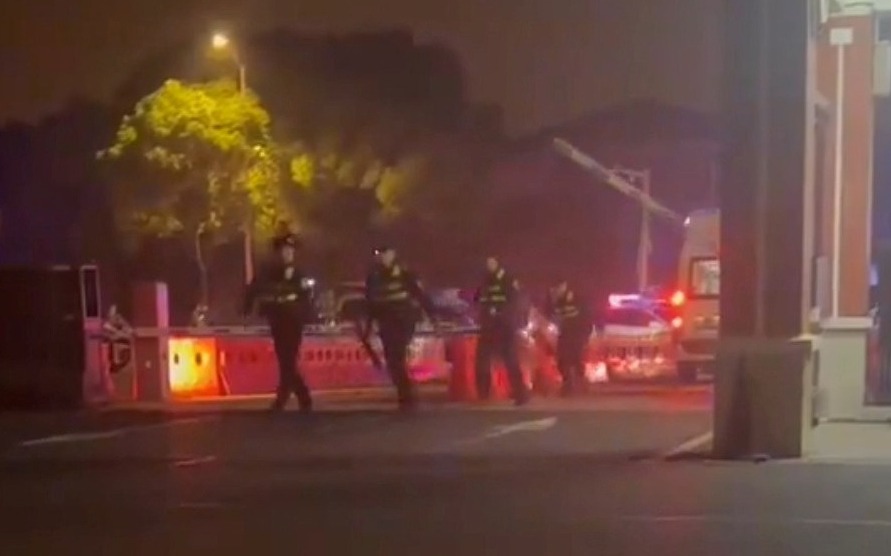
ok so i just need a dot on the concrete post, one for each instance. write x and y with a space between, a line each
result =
764 365
151 365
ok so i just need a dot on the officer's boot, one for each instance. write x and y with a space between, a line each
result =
408 400
568 388
301 390
281 399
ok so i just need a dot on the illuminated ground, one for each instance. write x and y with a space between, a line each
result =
559 478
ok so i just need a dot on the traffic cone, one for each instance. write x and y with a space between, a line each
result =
462 351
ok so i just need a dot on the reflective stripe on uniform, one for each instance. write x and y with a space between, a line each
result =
392 289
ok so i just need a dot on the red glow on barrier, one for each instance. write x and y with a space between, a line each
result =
192 367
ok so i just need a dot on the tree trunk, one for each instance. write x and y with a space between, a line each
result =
202 268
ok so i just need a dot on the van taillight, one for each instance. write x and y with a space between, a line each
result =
678 298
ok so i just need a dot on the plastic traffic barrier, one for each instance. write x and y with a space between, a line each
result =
211 361
339 362
427 361
462 382
247 365
192 368
461 351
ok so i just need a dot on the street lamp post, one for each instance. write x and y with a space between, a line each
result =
642 177
221 43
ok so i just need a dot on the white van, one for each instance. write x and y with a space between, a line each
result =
698 295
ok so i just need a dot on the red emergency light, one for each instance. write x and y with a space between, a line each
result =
678 298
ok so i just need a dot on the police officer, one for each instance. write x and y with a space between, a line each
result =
395 301
575 322
499 303
285 297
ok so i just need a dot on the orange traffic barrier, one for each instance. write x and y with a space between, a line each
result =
500 382
462 381
192 367
427 361
547 380
247 365
461 350
543 376
337 363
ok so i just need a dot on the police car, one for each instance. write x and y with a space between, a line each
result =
636 337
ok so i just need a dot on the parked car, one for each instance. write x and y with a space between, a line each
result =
636 343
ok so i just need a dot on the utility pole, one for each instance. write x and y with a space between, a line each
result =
645 246
221 43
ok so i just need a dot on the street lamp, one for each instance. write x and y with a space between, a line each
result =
642 178
221 43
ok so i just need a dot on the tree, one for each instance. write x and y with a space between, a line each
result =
379 131
197 162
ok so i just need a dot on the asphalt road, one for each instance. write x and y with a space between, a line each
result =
583 477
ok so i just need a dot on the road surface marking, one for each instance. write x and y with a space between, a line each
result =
200 505
689 445
104 435
836 460
535 425
194 461
67 438
731 520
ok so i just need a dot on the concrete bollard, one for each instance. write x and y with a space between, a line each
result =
763 401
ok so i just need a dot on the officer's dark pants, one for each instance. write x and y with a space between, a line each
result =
571 357
287 335
498 340
396 334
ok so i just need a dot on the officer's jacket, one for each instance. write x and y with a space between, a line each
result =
395 291
498 298
281 291
569 311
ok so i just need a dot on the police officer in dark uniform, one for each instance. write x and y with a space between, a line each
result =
500 321
574 320
285 296
395 301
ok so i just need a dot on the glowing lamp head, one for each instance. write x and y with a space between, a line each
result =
677 322
219 41
678 298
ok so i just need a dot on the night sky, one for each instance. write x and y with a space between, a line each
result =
543 60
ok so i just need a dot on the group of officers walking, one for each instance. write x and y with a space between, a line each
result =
396 303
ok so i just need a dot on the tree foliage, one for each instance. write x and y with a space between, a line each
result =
378 139
376 127
196 159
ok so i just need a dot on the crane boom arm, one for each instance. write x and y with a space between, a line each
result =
616 181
